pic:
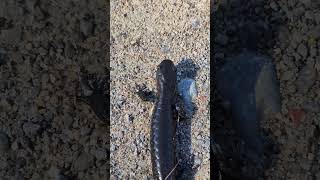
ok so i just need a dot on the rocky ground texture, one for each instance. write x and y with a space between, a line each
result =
143 33
46 132
289 32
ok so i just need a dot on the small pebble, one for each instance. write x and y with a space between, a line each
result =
165 49
112 147
310 156
14 146
197 161
195 23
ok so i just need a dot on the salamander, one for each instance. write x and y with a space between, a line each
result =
164 122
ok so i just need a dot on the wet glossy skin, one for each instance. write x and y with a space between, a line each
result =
164 120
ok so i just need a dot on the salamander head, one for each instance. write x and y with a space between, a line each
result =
167 74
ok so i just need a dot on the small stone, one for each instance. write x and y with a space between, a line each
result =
197 161
165 49
14 146
310 156
302 50
129 118
120 103
112 147
132 174
195 23
28 46
42 51
4 143
74 147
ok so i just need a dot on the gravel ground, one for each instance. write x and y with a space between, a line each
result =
143 33
289 32
46 47
45 133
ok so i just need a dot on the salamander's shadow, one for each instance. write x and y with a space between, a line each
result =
187 167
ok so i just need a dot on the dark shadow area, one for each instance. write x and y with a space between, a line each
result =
186 69
186 170
239 26
44 45
146 94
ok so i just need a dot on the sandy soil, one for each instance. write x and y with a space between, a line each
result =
142 35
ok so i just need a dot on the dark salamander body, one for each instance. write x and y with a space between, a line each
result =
164 121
